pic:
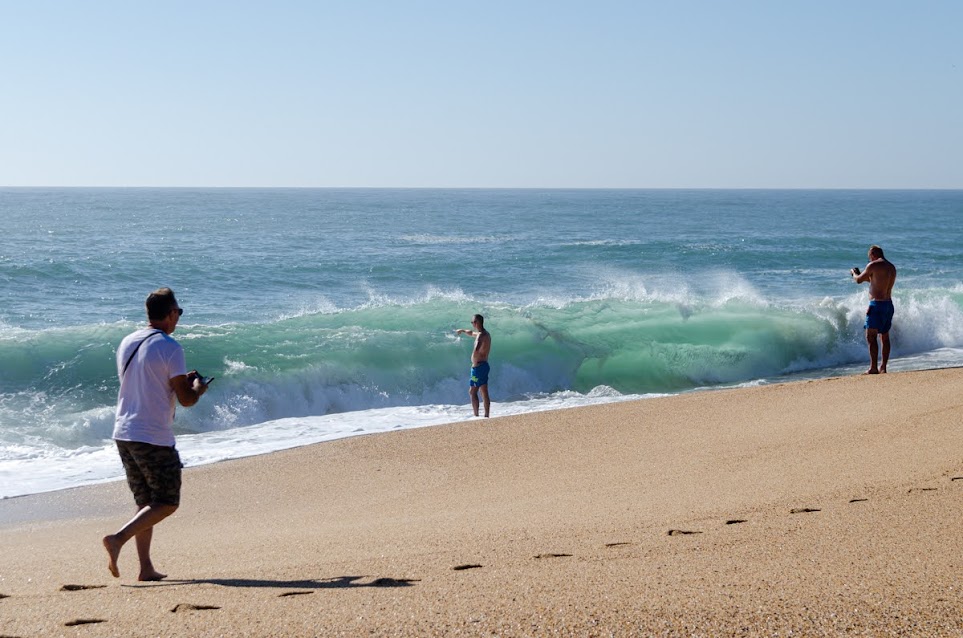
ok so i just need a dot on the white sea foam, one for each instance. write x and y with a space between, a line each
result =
430 239
52 468
604 242
42 466
713 287
232 367
321 306
378 299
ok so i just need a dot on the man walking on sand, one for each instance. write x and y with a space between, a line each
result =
881 275
479 362
152 372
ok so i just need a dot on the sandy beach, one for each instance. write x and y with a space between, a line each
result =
828 507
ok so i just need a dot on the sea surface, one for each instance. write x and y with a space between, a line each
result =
326 313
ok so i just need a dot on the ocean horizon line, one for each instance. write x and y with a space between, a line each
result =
710 189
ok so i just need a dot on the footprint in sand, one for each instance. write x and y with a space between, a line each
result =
735 521
803 510
553 555
459 568
80 587
681 532
191 607
83 621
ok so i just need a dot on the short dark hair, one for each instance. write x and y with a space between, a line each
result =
876 250
480 320
160 303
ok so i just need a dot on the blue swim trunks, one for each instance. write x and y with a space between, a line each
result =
879 316
479 375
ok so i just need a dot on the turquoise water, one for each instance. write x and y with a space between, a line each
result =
326 312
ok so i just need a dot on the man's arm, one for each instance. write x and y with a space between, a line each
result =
866 275
188 388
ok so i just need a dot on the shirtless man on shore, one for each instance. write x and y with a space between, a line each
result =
479 362
881 275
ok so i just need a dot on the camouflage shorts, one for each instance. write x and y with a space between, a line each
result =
153 472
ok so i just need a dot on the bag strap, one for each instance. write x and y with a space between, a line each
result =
131 357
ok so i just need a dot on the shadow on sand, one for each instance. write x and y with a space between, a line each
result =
340 582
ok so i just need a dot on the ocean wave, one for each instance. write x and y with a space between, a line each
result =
603 243
455 240
60 383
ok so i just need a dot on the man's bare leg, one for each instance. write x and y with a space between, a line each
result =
473 393
147 571
144 520
873 350
484 392
885 339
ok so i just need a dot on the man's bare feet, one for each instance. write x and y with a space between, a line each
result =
153 574
113 553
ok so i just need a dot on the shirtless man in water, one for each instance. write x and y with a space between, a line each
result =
881 275
479 362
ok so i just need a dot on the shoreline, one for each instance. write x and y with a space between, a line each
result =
293 432
323 438
811 506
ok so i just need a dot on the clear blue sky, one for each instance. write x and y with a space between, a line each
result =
714 94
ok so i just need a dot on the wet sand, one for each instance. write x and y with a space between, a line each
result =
829 507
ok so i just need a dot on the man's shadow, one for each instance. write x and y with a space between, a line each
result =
340 582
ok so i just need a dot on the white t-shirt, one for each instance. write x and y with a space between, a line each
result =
146 401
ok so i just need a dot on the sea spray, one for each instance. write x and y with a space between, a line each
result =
62 382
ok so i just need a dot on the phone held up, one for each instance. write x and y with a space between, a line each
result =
204 380
855 270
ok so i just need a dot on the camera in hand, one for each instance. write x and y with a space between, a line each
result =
204 380
855 270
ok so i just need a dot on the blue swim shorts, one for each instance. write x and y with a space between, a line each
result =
479 375
879 316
